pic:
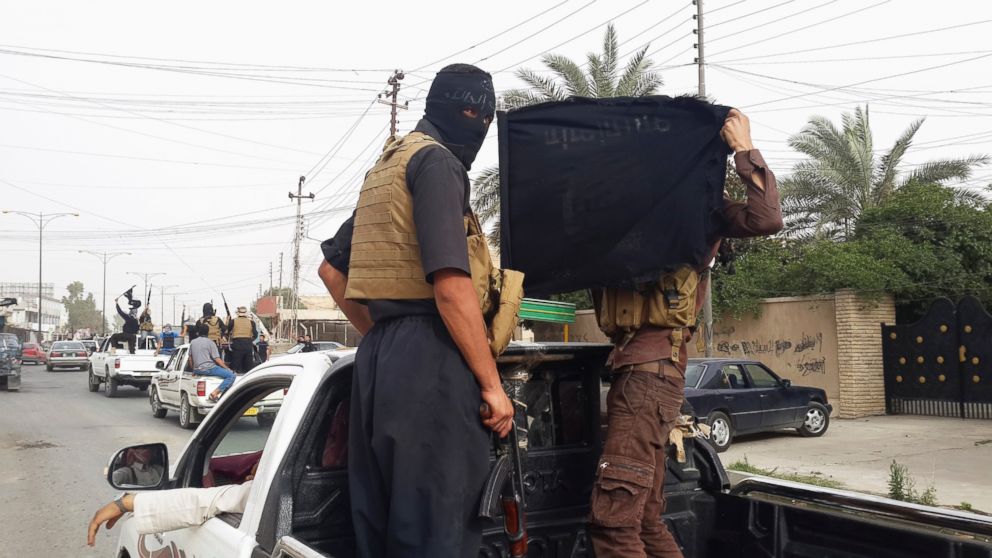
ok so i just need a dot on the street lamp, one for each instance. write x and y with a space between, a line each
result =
40 220
105 257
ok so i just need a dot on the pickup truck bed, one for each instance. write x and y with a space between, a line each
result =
299 500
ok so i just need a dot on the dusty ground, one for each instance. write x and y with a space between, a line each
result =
953 454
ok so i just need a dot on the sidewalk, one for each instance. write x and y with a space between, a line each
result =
954 454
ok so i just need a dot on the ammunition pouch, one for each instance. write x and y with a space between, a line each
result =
500 291
669 302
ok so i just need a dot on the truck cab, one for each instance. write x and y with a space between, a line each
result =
115 368
298 501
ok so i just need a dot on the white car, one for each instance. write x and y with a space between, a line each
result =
117 368
177 387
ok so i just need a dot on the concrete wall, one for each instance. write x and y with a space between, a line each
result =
795 336
832 342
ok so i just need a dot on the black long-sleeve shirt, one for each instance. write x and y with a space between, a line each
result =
130 322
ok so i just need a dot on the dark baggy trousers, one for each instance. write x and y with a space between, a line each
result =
117 338
418 454
241 360
628 500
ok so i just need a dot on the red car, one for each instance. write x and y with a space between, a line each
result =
32 352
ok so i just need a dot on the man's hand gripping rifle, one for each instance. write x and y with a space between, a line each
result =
507 477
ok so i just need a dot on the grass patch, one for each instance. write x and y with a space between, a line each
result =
814 478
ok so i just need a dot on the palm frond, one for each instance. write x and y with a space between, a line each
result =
486 194
888 167
609 62
516 98
599 85
938 172
543 85
569 72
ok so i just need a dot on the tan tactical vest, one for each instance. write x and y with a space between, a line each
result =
241 328
213 322
385 257
668 302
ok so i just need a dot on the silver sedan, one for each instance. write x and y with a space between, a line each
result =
68 354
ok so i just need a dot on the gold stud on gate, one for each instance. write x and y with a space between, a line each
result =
975 361
902 360
967 329
942 377
919 360
940 360
976 378
919 339
943 328
899 379
892 335
923 380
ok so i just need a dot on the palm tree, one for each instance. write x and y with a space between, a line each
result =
603 79
828 192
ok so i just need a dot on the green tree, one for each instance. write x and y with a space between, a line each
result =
602 78
844 176
925 242
82 311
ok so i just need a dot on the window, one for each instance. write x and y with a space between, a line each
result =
692 374
239 447
734 376
761 377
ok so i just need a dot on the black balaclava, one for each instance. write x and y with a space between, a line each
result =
456 88
208 309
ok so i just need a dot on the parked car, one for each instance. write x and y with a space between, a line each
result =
67 354
745 396
298 503
32 352
10 362
320 345
91 345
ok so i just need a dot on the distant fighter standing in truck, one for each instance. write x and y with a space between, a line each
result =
215 326
243 333
648 362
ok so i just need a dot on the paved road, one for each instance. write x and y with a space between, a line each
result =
55 440
954 454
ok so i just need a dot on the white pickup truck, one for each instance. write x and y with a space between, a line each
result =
298 502
123 368
177 387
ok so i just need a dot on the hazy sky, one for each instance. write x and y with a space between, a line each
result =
177 129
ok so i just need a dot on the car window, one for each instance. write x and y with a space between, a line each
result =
692 374
760 377
63 346
734 376
243 440
173 360
713 378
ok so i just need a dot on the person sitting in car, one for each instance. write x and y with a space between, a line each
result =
206 361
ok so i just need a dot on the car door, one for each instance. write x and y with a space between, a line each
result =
168 380
222 453
742 401
777 410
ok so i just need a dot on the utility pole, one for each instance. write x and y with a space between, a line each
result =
701 66
40 220
161 302
297 238
280 276
392 94
105 257
270 277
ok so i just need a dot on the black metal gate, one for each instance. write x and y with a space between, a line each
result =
940 365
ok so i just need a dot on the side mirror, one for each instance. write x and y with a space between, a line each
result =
142 467
160 365
786 383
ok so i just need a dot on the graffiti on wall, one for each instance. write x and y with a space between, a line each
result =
803 353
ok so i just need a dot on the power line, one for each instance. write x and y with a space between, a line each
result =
137 158
854 43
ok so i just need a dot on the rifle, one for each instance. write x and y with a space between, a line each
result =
182 322
507 477
226 308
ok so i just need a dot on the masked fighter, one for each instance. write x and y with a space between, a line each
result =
399 268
